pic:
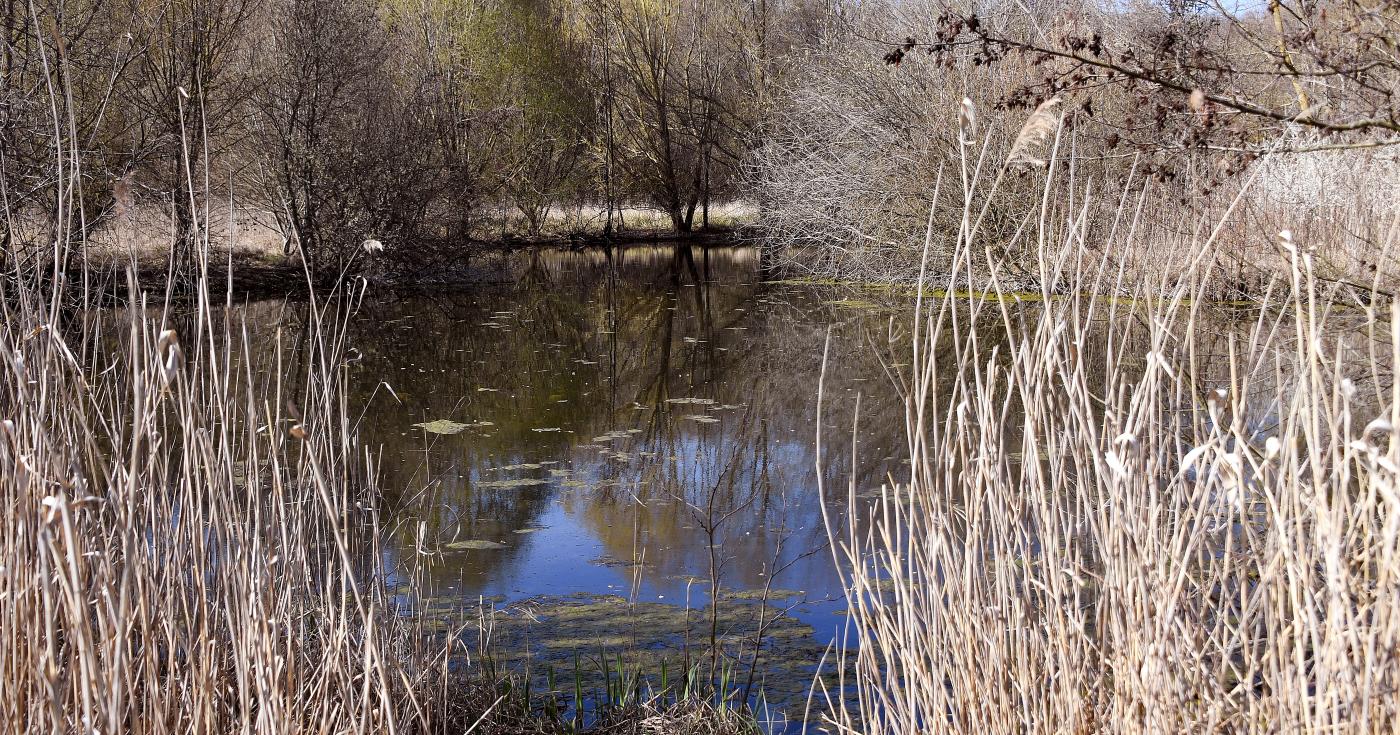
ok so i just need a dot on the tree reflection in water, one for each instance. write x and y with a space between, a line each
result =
664 395
640 422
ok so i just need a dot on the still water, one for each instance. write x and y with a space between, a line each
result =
584 441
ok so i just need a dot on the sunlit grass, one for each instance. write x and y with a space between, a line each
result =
1135 514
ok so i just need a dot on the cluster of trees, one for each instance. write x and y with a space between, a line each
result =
1181 101
407 121
419 121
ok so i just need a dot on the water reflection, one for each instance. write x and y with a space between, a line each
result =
638 423
635 422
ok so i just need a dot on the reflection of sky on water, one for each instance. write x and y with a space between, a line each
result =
646 406
633 396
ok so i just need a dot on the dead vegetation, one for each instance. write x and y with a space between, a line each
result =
1141 513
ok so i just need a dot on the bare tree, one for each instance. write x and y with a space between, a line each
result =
674 117
188 86
1224 71
65 136
322 60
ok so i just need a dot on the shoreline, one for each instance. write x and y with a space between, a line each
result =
247 274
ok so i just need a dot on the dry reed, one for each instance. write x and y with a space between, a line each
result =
179 543
1034 134
191 532
1124 517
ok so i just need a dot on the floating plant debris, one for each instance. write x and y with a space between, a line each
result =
441 426
853 304
525 466
509 484
472 545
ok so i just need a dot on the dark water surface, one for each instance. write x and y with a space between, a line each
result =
626 428
577 449
614 413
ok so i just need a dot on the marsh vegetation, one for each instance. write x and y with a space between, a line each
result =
1036 371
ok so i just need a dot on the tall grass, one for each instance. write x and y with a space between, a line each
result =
183 533
189 533
190 542
1135 514
190 528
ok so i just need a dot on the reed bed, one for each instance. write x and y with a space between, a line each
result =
191 541
1137 513
183 531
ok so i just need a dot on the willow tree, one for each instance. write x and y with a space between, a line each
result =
551 116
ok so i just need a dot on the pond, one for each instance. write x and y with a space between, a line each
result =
604 465
629 424
587 443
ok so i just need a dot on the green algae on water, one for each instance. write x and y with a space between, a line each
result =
441 426
473 545
513 483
